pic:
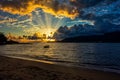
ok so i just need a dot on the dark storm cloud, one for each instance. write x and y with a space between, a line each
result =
55 7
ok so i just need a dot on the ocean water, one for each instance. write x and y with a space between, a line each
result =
103 56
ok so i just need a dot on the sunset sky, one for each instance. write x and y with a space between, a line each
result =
29 16
26 17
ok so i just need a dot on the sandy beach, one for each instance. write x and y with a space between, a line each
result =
19 69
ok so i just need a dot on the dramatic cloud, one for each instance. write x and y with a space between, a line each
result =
58 8
90 22
8 20
76 30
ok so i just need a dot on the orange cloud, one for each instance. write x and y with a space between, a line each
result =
25 7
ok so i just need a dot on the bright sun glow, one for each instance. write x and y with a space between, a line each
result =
48 34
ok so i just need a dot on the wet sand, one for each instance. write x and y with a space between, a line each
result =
19 69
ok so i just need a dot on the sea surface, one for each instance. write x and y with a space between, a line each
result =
102 56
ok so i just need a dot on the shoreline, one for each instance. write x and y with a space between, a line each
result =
11 66
103 69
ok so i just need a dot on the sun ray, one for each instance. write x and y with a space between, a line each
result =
59 22
39 19
50 21
47 20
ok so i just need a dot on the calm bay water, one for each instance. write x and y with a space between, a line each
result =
91 55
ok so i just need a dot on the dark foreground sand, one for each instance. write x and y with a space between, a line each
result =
17 69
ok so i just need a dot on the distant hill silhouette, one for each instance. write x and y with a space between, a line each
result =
107 37
3 40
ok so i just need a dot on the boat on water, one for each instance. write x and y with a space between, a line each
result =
46 46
